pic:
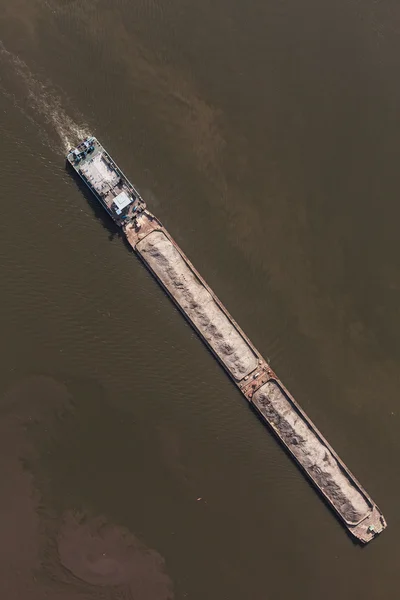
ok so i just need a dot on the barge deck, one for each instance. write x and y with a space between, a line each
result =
254 377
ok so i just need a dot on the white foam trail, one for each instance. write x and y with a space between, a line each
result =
44 101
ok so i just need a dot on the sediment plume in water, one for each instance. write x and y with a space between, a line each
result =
104 554
311 452
197 302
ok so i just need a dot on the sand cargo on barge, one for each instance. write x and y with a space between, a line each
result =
245 365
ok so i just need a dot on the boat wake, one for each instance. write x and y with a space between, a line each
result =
39 103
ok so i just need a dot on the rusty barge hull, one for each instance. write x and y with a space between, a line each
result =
254 377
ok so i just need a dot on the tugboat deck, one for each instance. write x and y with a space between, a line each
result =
100 173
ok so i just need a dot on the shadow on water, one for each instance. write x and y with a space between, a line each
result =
99 212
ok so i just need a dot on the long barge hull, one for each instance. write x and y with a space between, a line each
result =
253 375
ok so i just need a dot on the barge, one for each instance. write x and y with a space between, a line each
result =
208 316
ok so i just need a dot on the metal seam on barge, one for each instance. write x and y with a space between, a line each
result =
220 332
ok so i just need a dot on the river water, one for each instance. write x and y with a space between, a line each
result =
265 136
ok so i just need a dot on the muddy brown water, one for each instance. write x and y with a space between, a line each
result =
265 136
